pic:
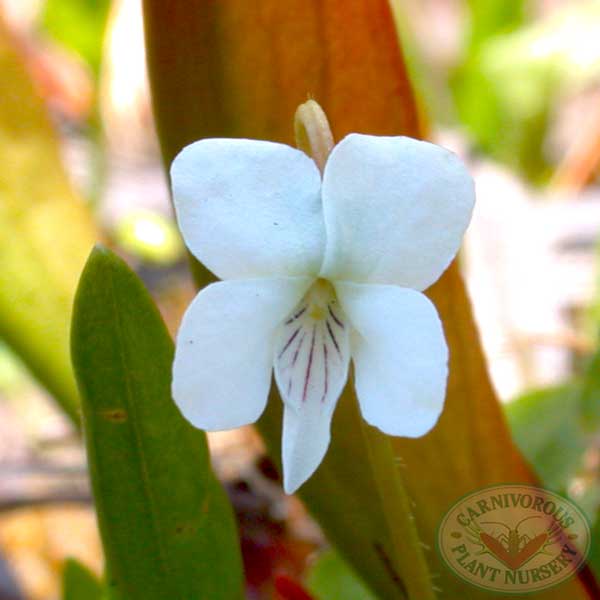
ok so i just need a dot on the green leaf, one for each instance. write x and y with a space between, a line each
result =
167 527
547 428
492 17
46 233
589 395
79 25
507 88
487 103
555 426
593 558
330 578
79 583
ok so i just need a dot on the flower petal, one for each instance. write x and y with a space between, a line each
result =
312 350
312 354
306 436
224 351
249 209
395 210
400 357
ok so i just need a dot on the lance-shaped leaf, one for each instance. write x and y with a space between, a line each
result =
45 232
237 69
167 527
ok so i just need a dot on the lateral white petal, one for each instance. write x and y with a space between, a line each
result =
248 208
224 350
395 210
400 357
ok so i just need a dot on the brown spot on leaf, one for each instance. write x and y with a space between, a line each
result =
115 415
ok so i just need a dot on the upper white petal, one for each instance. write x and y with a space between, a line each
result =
249 208
395 210
400 357
224 351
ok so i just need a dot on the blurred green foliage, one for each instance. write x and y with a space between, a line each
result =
40 263
79 25
594 555
79 583
151 237
330 578
13 374
488 18
548 428
557 431
514 72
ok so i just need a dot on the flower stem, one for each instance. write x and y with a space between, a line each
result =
410 557
313 134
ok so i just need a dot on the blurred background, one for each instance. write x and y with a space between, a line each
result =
513 86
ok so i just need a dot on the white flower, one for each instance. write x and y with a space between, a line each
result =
316 272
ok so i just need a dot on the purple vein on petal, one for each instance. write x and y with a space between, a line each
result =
298 347
332 336
326 362
310 362
334 316
297 315
289 342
